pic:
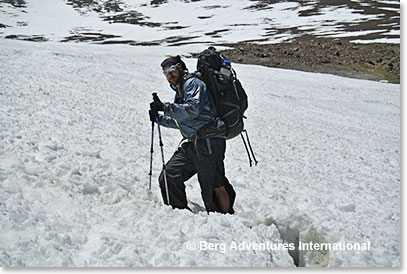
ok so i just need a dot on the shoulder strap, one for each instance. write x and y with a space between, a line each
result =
192 75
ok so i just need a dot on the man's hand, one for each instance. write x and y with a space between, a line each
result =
157 106
153 115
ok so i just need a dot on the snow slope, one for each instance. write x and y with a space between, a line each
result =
210 21
74 160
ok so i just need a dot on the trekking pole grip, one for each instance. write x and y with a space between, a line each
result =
155 97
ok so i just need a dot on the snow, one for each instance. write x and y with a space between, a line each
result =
75 151
75 146
56 20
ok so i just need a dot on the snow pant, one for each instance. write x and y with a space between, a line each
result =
204 159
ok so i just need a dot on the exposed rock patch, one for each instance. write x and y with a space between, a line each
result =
372 61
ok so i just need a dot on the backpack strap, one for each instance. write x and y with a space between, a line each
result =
192 75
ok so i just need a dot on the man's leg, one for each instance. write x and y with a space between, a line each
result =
211 175
222 197
178 170
231 195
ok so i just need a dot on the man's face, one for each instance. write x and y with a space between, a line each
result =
173 73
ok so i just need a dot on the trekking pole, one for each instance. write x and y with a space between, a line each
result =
164 168
151 154
155 98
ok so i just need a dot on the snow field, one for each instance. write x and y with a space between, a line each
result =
75 151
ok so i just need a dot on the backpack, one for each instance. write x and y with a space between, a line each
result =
228 95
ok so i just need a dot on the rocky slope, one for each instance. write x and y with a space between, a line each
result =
372 61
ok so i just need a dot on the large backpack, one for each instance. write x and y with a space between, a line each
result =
228 95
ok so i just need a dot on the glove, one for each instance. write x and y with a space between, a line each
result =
157 106
153 115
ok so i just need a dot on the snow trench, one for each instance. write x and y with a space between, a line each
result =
295 234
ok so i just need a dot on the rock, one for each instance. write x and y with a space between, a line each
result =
338 56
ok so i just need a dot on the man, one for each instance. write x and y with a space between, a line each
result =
192 109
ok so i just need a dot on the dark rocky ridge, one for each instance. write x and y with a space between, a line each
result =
32 38
15 3
372 61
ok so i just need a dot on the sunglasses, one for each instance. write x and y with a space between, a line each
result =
170 69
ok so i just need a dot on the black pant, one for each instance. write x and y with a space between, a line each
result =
206 160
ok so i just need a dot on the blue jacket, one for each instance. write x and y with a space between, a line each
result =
192 108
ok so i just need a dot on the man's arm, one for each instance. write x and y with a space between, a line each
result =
191 106
166 121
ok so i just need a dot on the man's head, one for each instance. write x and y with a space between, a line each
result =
173 68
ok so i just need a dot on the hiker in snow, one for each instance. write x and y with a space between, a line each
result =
192 109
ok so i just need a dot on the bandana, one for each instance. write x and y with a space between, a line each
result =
168 62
